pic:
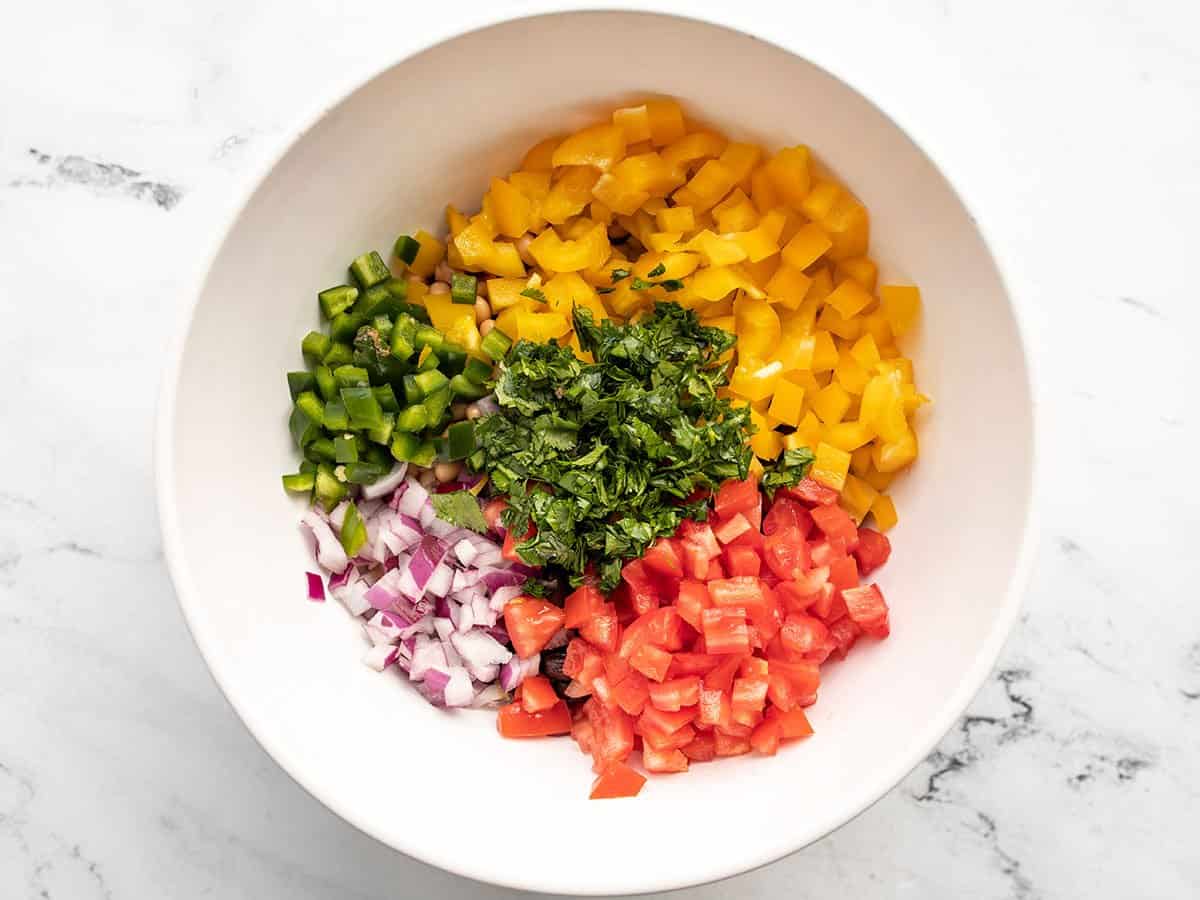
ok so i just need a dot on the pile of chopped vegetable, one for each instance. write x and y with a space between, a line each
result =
604 455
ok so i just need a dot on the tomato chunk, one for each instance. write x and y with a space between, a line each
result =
729 530
703 748
537 694
664 760
793 723
509 550
836 524
743 561
812 492
787 513
786 554
663 557
612 733
617 780
531 623
602 629
765 739
725 630
514 722
631 693
582 605
651 661
692 601
676 693
867 608
737 496
872 551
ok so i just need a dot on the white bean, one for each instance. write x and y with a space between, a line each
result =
447 471
439 287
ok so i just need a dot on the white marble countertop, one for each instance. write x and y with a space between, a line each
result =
124 774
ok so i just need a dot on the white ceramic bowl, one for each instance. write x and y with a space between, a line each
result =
385 160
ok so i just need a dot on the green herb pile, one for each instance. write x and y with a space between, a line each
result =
602 458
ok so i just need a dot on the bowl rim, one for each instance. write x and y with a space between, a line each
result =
233 204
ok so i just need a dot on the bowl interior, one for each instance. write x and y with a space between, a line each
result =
387 159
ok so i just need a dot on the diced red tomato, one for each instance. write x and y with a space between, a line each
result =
581 730
752 538
703 748
721 677
492 512
727 745
692 601
823 606
843 633
651 661
602 691
725 630
668 722
793 723
780 691
872 551
746 701
617 780
765 739
787 513
509 550
674 694
803 634
663 761
616 668
843 573
663 557
812 492
729 530
581 605
602 630
531 623
631 693
804 675
643 593
715 570
612 733
537 694
742 561
693 664
754 516
655 737
867 608
786 554
836 524
737 496
514 722
700 535
744 592
583 662
753 667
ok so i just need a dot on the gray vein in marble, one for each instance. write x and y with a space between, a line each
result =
1022 887
74 548
1142 306
102 177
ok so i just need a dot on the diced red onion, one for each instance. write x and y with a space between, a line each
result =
438 528
427 516
481 610
489 558
479 648
423 625
452 657
407 530
387 483
337 518
354 597
428 654
444 628
485 674
489 695
466 552
494 578
415 576
440 581
330 553
381 656
413 500
466 619
464 580
502 596
432 683
458 690
316 587
398 493
516 670
340 580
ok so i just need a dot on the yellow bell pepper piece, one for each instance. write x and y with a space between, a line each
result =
676 218
762 190
724 322
787 405
849 298
848 436
563 291
675 265
912 399
694 148
900 305
649 172
715 282
788 286
474 244
861 268
788 171
831 403
876 325
849 228
739 216
850 374
762 241
541 327
662 241
807 433
716 250
666 121
866 353
882 408
600 146
569 194
706 188
756 383
767 444
430 252
821 199
465 333
507 321
624 301
881 481
505 292
556 255
825 353
830 466
511 209
618 196
455 220
891 456
883 510
831 320
857 498
822 285
758 328
445 314
504 260
741 160
634 121
899 364
806 247
540 157
860 460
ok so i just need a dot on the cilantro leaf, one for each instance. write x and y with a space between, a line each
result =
534 294
618 274
459 508
660 269
789 469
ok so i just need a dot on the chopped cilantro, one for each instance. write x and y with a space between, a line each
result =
534 294
792 466
660 269
618 274
459 508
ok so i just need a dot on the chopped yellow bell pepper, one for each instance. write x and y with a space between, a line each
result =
634 121
676 218
849 228
876 325
850 374
762 190
694 148
861 268
430 252
881 481
618 196
788 171
860 460
706 188
570 193
736 212
717 250
821 199
767 444
758 327
763 240
541 327
505 292
807 433
556 255
600 146
540 157
675 265
788 286
833 321
504 259
757 383
787 406
883 408
825 353
848 436
649 172
830 466
850 298
822 285
900 305
891 456
511 209
857 498
806 247
568 289
666 121
741 160
455 220
715 282
883 510
866 353
662 241
831 403
445 314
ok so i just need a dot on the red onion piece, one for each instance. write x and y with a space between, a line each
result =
316 587
387 483
330 553
414 499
